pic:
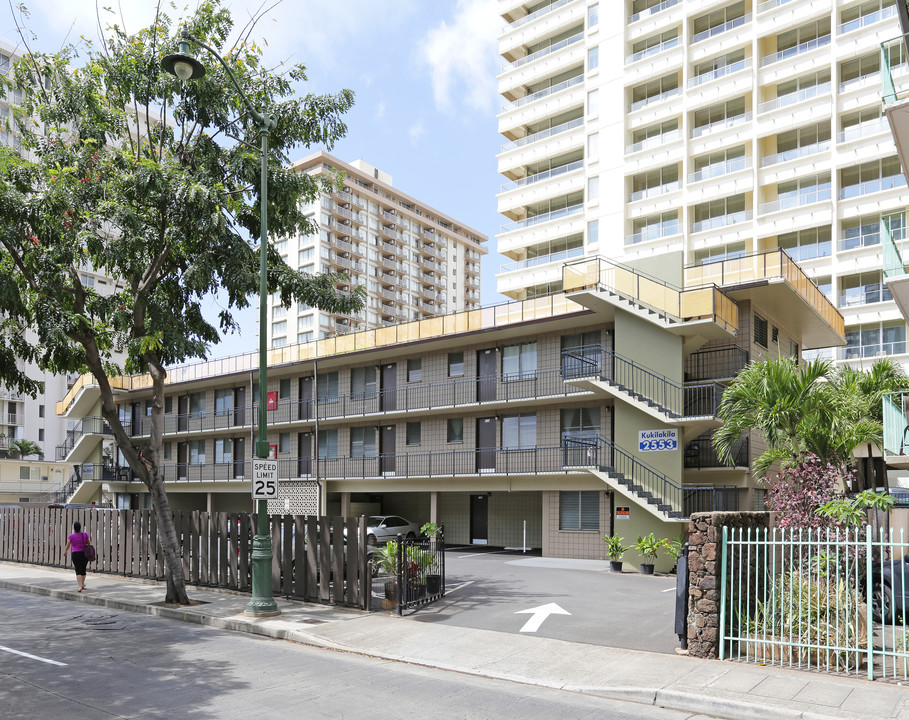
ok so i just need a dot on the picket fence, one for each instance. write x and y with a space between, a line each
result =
315 558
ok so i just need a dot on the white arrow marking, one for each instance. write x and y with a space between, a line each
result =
539 614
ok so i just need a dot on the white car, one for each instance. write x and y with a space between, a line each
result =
382 528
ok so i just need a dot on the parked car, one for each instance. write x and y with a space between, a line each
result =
382 528
890 588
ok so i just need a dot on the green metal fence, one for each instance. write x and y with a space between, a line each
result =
816 599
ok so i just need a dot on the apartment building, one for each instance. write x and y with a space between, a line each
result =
548 421
705 130
414 261
21 416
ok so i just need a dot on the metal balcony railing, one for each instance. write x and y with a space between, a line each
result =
672 398
82 473
86 426
700 453
710 499
715 363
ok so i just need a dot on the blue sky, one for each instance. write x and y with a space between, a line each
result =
424 75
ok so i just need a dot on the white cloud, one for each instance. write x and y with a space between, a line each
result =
462 56
416 131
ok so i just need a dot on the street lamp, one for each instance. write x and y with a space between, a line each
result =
186 67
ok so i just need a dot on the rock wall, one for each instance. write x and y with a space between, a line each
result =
705 533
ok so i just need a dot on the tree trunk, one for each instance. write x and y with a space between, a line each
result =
173 562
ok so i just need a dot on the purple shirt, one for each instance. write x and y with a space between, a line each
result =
78 541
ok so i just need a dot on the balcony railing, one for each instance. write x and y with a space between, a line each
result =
710 499
700 453
672 398
555 47
414 397
863 130
876 350
659 232
796 50
715 363
654 191
653 50
543 134
84 473
719 73
86 426
795 153
866 20
765 266
545 175
653 10
896 423
667 301
561 256
811 197
822 90
771 4
720 221
654 141
545 92
868 187
542 218
728 122
721 28
720 169
539 13
653 99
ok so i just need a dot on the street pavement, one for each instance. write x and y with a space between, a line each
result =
737 691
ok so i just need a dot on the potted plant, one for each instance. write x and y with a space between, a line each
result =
615 549
385 562
648 546
433 532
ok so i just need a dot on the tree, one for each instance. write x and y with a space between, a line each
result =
24 448
808 408
153 182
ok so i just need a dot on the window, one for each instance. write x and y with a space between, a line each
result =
197 404
654 227
284 388
760 330
593 232
806 244
456 364
414 370
593 102
579 510
25 472
327 387
278 311
168 451
719 213
40 434
593 58
593 146
593 15
593 188
863 288
41 411
875 340
304 322
519 362
720 252
455 430
169 404
580 423
363 382
223 450
774 334
362 442
794 350
196 452
413 433
328 443
284 442
519 432
224 401
279 328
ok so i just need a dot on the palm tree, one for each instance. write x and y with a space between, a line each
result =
24 448
806 408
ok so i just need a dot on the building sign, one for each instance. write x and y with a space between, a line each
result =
623 513
658 440
272 401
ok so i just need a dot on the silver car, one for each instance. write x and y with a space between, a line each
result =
382 528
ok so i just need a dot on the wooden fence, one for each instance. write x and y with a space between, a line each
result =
318 559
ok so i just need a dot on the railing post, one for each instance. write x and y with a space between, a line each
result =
869 584
400 569
721 630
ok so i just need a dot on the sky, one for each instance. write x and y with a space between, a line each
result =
424 75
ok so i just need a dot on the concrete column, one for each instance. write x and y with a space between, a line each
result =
345 504
208 502
434 507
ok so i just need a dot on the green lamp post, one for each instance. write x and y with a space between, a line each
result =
186 67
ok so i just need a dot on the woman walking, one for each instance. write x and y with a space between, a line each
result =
77 541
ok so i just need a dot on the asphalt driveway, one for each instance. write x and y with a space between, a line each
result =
489 589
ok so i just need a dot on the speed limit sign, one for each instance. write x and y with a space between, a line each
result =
265 479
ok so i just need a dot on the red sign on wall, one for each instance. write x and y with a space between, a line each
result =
273 452
272 401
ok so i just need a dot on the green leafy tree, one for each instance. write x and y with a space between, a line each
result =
808 408
153 182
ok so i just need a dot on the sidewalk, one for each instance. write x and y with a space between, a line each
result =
737 691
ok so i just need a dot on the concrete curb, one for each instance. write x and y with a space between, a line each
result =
266 627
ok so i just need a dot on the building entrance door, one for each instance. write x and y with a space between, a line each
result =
479 519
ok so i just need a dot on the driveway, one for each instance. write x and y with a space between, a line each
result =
488 589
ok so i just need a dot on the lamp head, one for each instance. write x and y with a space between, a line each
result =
182 64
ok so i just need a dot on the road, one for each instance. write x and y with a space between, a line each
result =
489 589
86 663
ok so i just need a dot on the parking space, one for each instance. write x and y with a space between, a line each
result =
492 589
